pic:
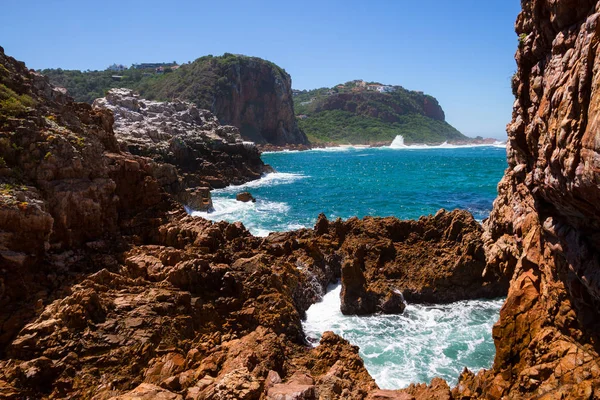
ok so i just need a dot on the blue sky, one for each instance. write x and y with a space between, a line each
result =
460 51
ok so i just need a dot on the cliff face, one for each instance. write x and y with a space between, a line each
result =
250 93
384 106
544 227
258 100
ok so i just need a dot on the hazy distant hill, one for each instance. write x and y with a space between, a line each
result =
360 113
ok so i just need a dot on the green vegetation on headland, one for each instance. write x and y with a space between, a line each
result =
86 86
359 112
344 127
252 94
199 81
356 112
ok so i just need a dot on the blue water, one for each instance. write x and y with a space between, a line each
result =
425 341
351 182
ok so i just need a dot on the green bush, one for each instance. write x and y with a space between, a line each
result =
13 104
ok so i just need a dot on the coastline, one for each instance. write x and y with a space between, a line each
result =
271 148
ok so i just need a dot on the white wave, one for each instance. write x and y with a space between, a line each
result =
341 147
424 342
281 151
251 214
295 227
398 144
271 179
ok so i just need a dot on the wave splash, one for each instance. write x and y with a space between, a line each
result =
255 216
271 179
398 144
422 343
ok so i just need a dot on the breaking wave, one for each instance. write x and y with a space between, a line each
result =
424 342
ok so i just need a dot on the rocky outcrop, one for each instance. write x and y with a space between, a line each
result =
258 100
543 230
437 259
203 152
118 293
123 295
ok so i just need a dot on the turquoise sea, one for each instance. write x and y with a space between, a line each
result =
402 181
348 181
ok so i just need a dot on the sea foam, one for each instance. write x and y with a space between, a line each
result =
416 346
398 144
271 179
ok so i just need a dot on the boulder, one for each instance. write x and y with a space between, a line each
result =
197 199
245 197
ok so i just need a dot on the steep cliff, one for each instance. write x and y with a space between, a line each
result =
544 228
247 92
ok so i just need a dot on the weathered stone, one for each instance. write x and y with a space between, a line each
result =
244 197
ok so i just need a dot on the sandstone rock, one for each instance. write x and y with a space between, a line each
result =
244 197
197 199
389 395
146 391
542 231
437 259
273 379
179 133
292 391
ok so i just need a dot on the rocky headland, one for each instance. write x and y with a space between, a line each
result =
250 93
109 290
358 112
193 152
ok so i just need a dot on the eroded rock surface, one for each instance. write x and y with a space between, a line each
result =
177 133
118 293
437 259
543 230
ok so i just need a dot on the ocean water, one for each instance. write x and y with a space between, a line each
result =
403 181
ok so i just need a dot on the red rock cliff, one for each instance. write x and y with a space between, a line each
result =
544 227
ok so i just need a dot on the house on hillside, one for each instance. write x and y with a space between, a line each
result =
386 89
340 87
374 88
153 65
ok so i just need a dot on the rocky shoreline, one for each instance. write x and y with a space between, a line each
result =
305 147
110 290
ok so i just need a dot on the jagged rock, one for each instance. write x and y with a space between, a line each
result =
178 133
292 391
543 229
437 259
146 391
355 297
198 199
245 197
